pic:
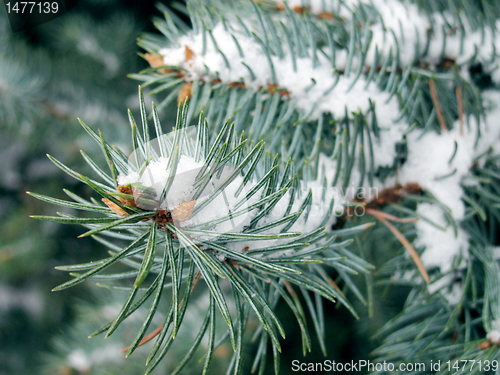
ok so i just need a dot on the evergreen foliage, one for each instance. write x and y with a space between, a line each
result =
437 81
258 275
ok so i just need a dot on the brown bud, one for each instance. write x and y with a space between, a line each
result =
272 88
280 6
185 92
237 84
183 211
299 9
126 189
325 16
189 53
484 344
115 208
155 61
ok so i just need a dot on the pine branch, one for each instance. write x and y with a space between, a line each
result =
226 248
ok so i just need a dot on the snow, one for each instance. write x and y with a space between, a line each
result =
408 24
222 206
321 199
438 163
79 361
441 247
390 134
428 162
403 26
83 362
450 290
454 295
494 334
319 207
214 62
340 98
156 175
490 129
129 178
173 56
305 83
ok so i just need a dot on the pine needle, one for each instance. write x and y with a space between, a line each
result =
460 104
157 330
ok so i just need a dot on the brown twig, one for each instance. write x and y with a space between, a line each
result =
391 217
394 195
413 253
156 61
146 338
435 101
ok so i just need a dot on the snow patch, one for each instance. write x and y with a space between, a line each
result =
451 291
156 175
83 362
494 334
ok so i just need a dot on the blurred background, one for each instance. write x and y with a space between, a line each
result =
51 74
